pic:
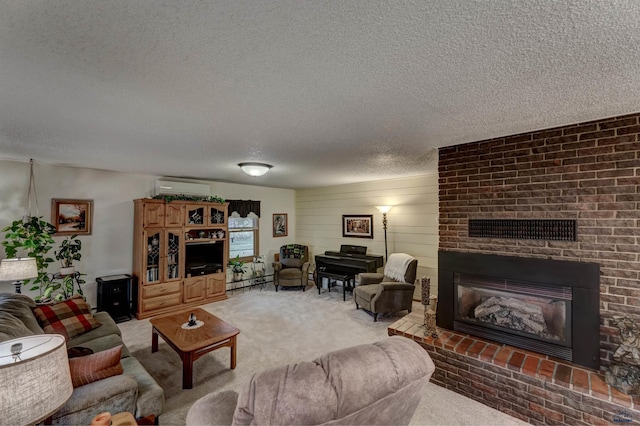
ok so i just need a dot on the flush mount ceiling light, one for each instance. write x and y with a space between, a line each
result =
255 169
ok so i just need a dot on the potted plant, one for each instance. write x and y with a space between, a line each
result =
237 266
68 251
33 236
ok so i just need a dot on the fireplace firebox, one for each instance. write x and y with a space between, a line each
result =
542 305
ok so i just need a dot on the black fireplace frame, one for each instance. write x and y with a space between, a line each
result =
583 277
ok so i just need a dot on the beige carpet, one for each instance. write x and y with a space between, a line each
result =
281 328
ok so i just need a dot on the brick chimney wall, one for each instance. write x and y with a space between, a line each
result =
589 172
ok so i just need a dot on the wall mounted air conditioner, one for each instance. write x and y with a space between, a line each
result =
165 187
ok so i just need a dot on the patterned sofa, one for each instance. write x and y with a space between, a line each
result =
134 390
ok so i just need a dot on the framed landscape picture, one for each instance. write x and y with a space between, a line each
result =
280 225
71 217
358 226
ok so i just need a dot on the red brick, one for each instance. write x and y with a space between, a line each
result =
546 370
476 348
554 416
516 361
620 398
563 375
452 342
599 388
502 356
464 345
488 353
546 394
530 366
580 380
442 338
570 130
593 420
636 401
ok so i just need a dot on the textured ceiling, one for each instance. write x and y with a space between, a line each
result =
329 92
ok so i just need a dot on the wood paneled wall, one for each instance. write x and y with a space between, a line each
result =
412 222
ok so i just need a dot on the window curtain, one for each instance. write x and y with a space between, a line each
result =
244 207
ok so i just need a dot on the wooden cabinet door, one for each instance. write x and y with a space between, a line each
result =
173 265
194 289
218 214
173 215
153 257
216 285
196 215
153 215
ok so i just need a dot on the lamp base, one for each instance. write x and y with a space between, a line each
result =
18 286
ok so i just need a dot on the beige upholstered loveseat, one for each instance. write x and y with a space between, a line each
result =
378 383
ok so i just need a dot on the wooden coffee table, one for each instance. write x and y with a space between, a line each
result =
191 344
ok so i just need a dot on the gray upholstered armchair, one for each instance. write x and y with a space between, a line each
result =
293 268
388 292
373 384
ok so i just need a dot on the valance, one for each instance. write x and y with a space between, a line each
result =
244 207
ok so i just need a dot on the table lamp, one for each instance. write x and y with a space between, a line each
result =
34 372
17 270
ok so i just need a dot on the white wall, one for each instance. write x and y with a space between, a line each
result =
412 222
109 249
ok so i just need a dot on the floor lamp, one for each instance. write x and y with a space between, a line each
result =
384 210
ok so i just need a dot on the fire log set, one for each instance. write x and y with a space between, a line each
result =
514 314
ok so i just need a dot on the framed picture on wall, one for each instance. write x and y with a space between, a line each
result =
280 225
357 226
71 217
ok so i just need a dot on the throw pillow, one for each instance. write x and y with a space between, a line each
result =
69 318
94 367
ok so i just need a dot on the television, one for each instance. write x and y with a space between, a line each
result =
203 258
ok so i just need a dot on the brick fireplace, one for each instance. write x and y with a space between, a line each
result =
587 174
542 305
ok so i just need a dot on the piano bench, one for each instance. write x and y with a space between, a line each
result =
348 280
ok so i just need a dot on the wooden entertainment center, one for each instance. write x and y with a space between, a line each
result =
180 253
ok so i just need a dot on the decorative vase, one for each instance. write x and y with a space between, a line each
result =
430 317
67 271
237 276
425 284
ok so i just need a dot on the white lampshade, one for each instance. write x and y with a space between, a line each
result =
18 269
255 169
36 382
384 209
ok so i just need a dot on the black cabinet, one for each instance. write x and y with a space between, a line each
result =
114 296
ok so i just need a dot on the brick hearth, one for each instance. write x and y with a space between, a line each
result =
532 387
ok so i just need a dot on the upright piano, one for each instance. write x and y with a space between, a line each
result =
345 264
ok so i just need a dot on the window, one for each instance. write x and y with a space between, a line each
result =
243 236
